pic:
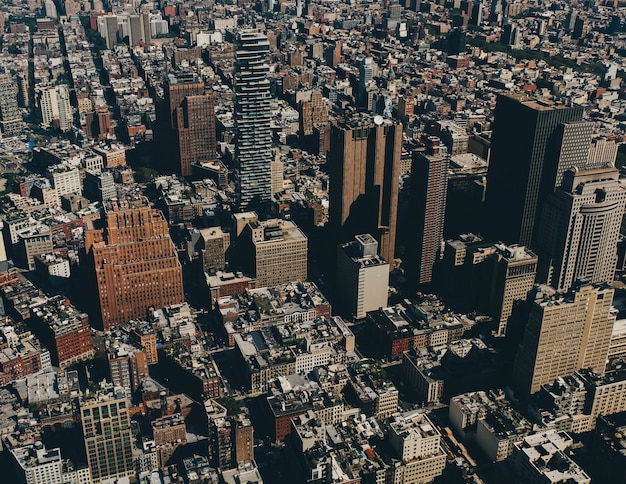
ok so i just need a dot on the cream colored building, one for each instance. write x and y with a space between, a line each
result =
362 275
418 443
279 252
565 332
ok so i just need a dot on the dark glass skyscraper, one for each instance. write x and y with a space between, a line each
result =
253 144
525 152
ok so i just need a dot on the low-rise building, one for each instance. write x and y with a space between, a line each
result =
63 330
440 373
418 444
37 465
406 326
489 421
53 267
542 457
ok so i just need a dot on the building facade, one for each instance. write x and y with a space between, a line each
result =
279 250
362 276
580 228
108 436
11 123
190 123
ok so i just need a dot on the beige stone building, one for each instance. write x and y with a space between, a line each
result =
565 332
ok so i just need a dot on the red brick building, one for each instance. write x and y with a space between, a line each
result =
63 330
134 262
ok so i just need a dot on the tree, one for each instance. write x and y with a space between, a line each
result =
230 404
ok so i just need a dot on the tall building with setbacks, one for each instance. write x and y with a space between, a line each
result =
134 262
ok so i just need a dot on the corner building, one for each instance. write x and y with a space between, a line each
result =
134 261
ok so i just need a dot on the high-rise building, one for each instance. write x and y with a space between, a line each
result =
221 448
56 110
99 186
65 179
564 332
253 147
367 70
107 434
277 175
489 277
128 367
139 32
362 276
215 242
364 171
191 120
429 187
510 273
11 123
33 241
522 172
108 29
134 262
98 125
580 227
276 252
169 433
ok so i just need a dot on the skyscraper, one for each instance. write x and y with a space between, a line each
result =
253 143
191 118
429 186
107 434
364 171
580 227
366 76
11 122
525 150
134 262
564 332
